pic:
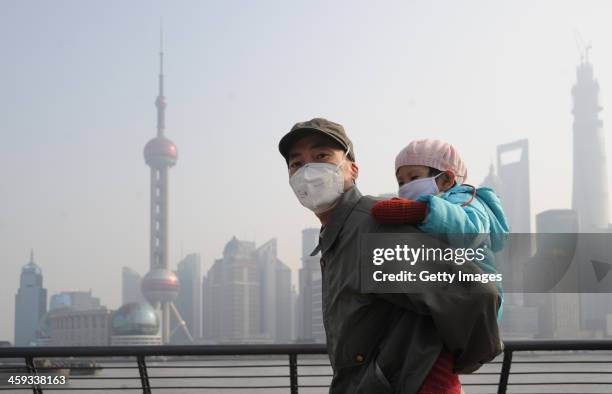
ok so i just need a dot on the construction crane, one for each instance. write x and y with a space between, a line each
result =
583 47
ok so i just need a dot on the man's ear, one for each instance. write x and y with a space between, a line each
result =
354 171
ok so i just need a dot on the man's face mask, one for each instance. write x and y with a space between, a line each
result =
318 186
419 187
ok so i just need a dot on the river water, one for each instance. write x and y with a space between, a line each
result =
122 377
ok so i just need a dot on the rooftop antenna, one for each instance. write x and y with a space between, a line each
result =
161 47
160 102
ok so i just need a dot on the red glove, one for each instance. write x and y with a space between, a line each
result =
399 211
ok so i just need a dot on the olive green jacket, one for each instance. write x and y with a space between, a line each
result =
387 343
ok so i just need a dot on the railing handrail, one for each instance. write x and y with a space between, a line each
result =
262 349
557 344
162 350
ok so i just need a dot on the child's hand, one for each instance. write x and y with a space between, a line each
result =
399 211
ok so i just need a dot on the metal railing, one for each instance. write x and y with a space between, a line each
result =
289 376
548 346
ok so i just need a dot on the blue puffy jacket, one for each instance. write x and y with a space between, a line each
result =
481 223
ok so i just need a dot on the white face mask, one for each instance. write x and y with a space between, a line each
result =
419 187
318 186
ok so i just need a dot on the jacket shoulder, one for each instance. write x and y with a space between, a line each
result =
366 203
361 215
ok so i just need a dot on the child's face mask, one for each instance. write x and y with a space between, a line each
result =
419 187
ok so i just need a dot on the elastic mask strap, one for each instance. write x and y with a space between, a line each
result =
472 197
348 150
344 157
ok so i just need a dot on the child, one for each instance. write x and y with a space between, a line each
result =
430 174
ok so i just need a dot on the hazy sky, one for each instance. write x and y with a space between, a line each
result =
80 79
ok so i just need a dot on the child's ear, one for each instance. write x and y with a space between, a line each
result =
448 179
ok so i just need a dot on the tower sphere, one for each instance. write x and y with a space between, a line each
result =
135 319
160 152
160 285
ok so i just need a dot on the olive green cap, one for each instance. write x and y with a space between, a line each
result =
319 125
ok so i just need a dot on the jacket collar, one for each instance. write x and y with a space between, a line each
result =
340 213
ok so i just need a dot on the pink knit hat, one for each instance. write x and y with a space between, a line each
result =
433 153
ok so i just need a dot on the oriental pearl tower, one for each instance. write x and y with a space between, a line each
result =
160 286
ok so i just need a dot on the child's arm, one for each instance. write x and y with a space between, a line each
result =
399 211
450 217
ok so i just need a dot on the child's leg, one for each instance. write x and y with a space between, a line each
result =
441 379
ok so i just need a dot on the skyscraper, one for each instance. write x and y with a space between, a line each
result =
310 314
189 298
231 295
284 303
30 303
76 300
511 184
275 288
559 313
160 286
590 186
513 172
492 180
590 199
130 286
247 295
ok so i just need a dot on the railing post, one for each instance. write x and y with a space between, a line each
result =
505 372
36 389
293 373
144 376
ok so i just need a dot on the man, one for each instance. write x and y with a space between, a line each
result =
377 343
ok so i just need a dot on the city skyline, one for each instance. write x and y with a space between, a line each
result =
77 194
